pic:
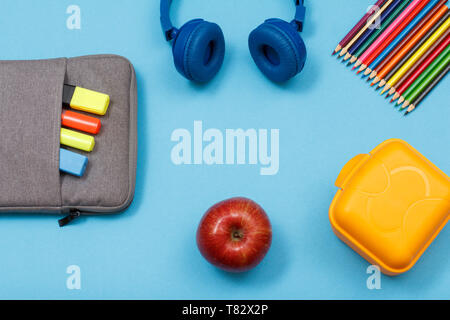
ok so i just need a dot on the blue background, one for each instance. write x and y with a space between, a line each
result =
326 116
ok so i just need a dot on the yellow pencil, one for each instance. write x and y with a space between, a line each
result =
366 26
419 53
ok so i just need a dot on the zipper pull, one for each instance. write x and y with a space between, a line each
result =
72 216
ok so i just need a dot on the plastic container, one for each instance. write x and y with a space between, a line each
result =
391 205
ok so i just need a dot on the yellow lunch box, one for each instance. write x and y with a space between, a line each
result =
391 204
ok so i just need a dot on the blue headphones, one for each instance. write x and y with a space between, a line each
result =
199 46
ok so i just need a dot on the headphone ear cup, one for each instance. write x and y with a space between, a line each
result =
278 50
199 50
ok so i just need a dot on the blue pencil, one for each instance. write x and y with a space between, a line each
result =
400 37
370 31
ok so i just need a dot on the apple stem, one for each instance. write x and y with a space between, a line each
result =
237 235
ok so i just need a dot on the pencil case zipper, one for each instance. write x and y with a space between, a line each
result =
74 214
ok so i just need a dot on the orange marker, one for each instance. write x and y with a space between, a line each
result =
80 122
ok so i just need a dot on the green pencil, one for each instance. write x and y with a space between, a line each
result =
427 77
375 35
414 104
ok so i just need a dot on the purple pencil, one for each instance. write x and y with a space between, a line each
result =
358 26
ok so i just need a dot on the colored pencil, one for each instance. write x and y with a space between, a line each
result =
420 66
427 77
419 28
404 37
397 67
386 23
407 52
425 93
411 47
366 26
366 35
407 75
420 52
391 32
357 27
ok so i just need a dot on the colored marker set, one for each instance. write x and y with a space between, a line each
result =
84 100
408 54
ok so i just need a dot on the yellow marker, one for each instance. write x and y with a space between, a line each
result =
85 100
77 140
419 53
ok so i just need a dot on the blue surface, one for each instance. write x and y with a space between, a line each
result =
326 116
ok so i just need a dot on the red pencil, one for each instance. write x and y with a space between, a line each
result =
416 30
422 67
390 35
418 63
358 26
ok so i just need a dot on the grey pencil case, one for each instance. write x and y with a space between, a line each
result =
30 124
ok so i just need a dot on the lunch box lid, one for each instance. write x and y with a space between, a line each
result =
390 205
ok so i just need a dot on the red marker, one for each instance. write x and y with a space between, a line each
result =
80 122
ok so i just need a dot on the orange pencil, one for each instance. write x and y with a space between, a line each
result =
408 46
396 27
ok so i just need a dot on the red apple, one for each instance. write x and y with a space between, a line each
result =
235 235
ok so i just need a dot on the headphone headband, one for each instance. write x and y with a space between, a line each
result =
170 31
166 23
300 12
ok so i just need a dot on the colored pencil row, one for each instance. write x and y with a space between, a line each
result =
403 46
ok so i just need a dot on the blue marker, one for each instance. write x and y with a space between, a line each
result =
403 34
370 31
72 163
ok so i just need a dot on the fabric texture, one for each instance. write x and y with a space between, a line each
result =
30 113
30 122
